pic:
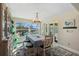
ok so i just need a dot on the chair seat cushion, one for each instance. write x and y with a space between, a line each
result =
27 44
27 40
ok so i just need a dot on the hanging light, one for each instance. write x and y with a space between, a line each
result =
36 20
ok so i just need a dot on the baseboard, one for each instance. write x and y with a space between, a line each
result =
72 50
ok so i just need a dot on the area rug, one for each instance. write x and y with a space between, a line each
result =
59 51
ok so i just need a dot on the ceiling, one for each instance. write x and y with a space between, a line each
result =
45 10
76 5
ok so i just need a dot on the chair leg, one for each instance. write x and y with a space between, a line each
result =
44 53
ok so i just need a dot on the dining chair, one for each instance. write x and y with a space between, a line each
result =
29 50
47 44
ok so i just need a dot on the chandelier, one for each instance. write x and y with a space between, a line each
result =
36 20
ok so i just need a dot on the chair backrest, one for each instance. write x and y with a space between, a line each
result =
48 41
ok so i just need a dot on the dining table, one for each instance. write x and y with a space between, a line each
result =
36 39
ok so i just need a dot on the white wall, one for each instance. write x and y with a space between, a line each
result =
68 39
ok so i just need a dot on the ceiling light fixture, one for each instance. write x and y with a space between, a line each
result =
36 20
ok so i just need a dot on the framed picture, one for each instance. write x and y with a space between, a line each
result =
69 23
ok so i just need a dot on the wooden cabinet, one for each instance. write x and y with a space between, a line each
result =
5 48
4 29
